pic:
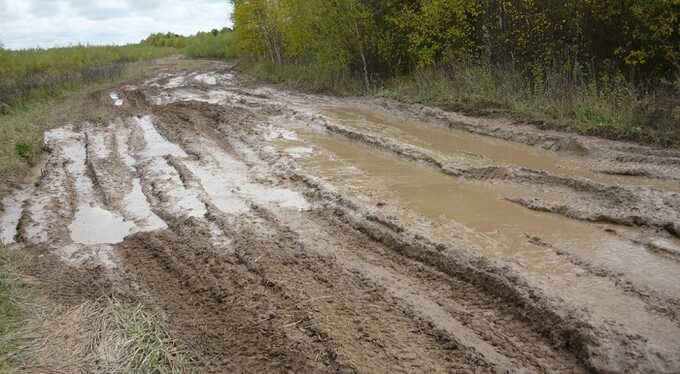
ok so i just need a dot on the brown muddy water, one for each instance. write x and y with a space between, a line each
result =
500 229
480 149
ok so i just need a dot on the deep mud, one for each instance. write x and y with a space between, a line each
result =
279 232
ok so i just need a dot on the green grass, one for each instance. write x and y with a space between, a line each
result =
146 348
217 44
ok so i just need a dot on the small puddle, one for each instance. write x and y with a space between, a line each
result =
503 230
226 181
461 143
95 225
115 98
9 217
209 79
156 144
300 152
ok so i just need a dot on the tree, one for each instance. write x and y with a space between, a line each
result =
564 40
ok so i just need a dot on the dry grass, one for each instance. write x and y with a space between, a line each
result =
16 304
99 336
102 336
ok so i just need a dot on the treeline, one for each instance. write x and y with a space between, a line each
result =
600 67
638 38
213 44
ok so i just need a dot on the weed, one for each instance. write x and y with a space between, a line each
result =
23 150
311 78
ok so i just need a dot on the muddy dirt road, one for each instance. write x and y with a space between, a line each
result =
279 232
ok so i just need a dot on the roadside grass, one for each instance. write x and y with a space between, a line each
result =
305 77
608 107
103 336
99 336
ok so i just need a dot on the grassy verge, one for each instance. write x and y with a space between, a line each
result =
608 107
311 78
100 336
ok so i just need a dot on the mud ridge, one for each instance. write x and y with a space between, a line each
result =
529 134
665 306
110 176
308 262
598 349
214 305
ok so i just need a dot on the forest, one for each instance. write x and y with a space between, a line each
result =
605 67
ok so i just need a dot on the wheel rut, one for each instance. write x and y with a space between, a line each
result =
271 231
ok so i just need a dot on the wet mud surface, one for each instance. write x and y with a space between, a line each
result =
274 231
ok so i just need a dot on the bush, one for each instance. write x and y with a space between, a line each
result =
215 44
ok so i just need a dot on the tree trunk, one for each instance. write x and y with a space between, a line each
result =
367 82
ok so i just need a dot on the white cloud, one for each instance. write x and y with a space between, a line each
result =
49 23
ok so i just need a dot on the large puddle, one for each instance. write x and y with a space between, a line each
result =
461 143
502 230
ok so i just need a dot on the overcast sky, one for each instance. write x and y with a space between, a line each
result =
49 23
